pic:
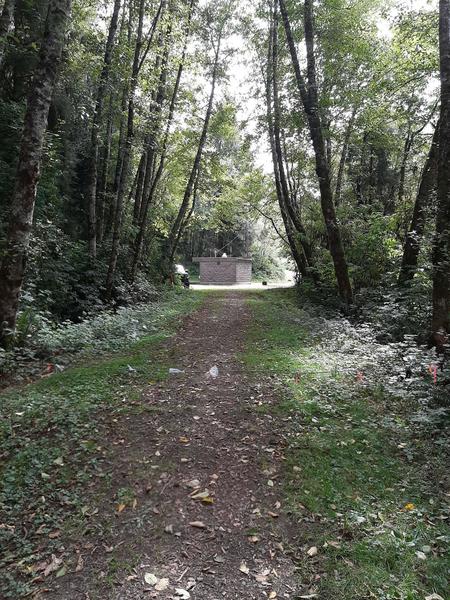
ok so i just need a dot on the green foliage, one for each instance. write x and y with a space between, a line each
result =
52 433
362 469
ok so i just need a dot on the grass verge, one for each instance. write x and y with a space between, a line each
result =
366 487
53 435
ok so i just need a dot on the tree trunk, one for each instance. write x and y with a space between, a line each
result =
440 326
402 176
148 178
118 217
289 213
6 25
96 123
343 158
27 177
174 235
103 178
413 239
310 101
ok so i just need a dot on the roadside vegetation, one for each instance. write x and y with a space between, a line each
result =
366 460
55 432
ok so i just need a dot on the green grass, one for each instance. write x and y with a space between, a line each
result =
53 437
345 480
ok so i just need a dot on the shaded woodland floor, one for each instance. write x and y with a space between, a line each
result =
291 473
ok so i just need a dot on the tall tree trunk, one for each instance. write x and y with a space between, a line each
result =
402 176
118 217
440 326
96 123
343 158
310 101
174 234
27 177
413 239
294 245
6 25
103 176
150 157
291 219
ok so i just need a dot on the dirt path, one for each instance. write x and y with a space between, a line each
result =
197 435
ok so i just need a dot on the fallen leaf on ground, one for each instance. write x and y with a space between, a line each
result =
243 568
253 539
272 514
272 595
200 495
182 594
150 579
53 565
208 500
194 483
262 577
183 439
62 571
434 597
198 524
121 507
54 534
312 551
162 584
80 564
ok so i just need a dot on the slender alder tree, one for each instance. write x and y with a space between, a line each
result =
6 25
177 227
294 229
96 123
138 61
27 176
147 199
423 199
308 90
440 326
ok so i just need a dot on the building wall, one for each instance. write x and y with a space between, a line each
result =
243 272
218 271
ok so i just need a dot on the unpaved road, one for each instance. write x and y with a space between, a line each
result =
195 435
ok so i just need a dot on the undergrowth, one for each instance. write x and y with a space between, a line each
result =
54 432
48 346
366 465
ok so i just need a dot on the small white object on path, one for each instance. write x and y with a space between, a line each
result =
213 372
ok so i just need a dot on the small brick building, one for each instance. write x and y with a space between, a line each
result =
224 270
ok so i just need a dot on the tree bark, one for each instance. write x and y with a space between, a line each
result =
310 101
288 208
343 158
440 325
174 234
103 177
148 197
6 25
27 177
91 194
406 150
118 217
414 237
